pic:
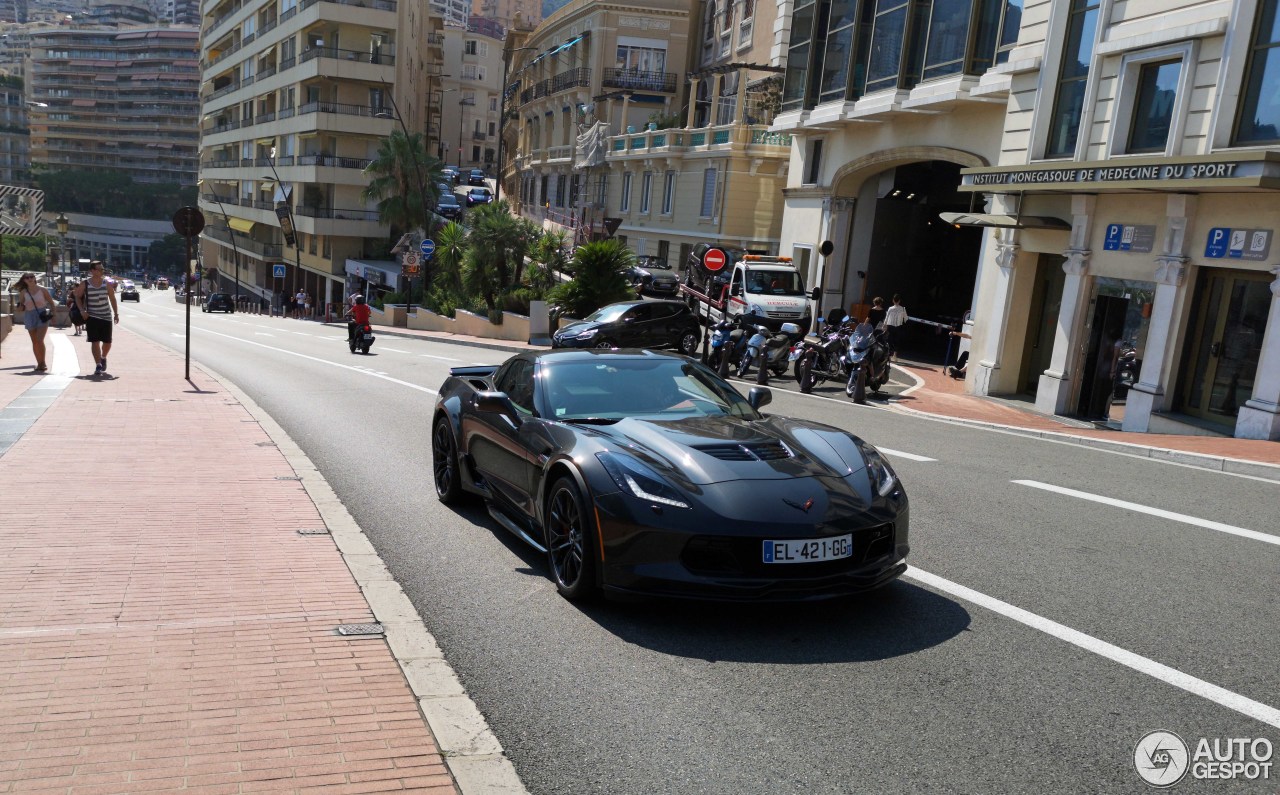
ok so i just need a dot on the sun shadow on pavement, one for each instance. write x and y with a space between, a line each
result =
899 619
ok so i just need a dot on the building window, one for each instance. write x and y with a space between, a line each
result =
1153 113
624 204
641 59
1068 103
603 196
837 54
708 193
668 192
884 57
948 38
815 163
1260 109
646 187
797 78
561 193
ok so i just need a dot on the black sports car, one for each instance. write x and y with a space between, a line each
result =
643 472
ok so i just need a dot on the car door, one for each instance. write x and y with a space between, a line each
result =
662 332
637 326
500 448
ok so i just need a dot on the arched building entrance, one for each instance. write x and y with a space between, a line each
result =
889 239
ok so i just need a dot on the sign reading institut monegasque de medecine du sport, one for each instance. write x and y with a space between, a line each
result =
1241 170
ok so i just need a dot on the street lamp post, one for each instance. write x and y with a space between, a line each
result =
232 232
502 116
461 104
286 217
63 226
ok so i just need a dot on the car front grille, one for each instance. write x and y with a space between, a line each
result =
725 556
766 451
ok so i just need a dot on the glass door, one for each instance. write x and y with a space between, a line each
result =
1225 343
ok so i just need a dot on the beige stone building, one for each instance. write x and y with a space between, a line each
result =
518 14
1134 208
297 96
469 99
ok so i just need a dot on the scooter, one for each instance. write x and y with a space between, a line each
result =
868 362
777 349
361 337
728 339
1127 369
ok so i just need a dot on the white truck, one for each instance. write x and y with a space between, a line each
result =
760 288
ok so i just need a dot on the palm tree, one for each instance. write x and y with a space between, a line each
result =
599 278
495 258
398 177
452 242
547 258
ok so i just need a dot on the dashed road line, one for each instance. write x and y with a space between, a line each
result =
908 456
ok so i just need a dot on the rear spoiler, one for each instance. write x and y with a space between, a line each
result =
479 370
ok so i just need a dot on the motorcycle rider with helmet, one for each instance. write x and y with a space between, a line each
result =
358 314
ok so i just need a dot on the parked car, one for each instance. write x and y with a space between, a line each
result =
129 291
648 276
634 324
478 195
449 207
451 174
638 472
218 302
477 177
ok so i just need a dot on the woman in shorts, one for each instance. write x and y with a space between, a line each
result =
37 311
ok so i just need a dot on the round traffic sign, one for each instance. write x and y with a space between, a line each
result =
714 259
410 258
428 247
188 221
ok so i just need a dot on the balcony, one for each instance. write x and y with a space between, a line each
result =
361 56
336 213
380 5
244 244
222 92
343 109
639 81
329 161
478 136
571 79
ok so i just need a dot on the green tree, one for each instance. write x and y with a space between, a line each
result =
169 254
111 194
452 242
494 260
547 258
398 175
599 278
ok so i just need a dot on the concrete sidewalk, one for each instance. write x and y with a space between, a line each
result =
173 576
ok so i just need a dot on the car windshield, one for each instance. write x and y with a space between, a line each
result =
614 388
608 314
774 282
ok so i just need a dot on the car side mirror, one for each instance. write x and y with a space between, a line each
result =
735 289
816 294
759 396
497 403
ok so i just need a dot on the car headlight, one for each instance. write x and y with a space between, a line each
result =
640 481
883 478
588 334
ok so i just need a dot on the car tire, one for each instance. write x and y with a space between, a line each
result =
571 541
604 345
444 462
688 344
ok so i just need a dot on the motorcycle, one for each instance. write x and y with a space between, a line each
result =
777 349
868 362
728 340
1127 368
361 337
818 362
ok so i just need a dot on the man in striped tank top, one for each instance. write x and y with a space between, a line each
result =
96 298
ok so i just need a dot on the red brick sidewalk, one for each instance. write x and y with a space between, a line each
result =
163 625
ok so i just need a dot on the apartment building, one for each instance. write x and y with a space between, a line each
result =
520 14
15 136
469 99
122 101
1132 208
297 96
454 12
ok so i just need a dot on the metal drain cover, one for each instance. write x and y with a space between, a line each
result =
314 531
359 629
287 477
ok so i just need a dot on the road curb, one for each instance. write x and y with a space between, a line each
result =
1232 466
471 751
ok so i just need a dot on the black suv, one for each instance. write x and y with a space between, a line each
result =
476 177
448 207
634 324
218 302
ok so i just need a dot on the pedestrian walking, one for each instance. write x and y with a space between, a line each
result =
96 297
894 319
306 306
73 312
877 312
299 301
37 311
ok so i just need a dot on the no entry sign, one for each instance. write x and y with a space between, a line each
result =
713 259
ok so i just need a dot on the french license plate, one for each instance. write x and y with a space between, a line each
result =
809 550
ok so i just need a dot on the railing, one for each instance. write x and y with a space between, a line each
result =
770 138
243 242
478 136
336 213
259 204
556 152
288 63
380 5
265 72
645 81
342 108
571 79
248 39
288 15
267 27
227 163
287 113
333 162
234 48
217 128
222 92
720 137
361 56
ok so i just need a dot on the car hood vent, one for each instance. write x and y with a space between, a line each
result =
764 451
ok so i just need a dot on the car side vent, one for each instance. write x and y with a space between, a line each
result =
769 451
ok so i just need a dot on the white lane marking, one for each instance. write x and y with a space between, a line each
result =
908 456
441 358
263 334
143 314
176 334
393 350
1163 514
326 361
1234 701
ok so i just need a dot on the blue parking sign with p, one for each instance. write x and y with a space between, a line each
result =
1216 246
1114 234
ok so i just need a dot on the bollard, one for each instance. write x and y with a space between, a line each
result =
762 376
722 369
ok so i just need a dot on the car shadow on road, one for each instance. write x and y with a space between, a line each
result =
899 619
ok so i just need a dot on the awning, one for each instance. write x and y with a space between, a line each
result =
241 225
1005 221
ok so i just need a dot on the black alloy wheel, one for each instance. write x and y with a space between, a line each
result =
569 536
689 342
444 463
604 344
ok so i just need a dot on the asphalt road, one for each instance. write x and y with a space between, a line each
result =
1086 624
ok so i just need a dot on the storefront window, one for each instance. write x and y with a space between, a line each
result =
1260 104
1153 113
1064 127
